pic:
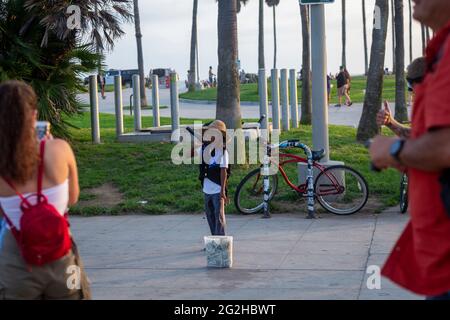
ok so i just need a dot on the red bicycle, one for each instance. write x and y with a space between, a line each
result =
339 189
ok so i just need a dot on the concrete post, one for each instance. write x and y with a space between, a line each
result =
263 101
118 104
319 81
155 98
174 105
284 98
293 97
93 99
276 123
137 103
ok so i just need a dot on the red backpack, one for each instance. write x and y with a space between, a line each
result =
44 234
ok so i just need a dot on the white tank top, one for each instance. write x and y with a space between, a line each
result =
58 196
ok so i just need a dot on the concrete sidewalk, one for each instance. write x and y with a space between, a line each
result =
286 257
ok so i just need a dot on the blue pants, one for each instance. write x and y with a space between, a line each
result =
215 214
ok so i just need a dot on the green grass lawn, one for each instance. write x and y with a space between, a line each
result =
144 172
249 92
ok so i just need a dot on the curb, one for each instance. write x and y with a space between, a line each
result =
210 102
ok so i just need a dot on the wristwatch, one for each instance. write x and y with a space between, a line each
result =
396 148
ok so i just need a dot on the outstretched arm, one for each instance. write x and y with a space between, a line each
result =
384 117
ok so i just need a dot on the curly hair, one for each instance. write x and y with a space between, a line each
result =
18 140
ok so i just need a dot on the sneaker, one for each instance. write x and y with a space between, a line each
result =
349 104
338 106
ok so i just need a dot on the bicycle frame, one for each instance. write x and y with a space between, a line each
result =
286 158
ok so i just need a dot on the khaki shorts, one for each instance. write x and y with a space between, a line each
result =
63 279
342 90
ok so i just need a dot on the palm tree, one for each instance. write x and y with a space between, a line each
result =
401 113
36 46
393 35
422 27
368 125
344 34
274 4
140 54
193 58
410 32
261 59
228 91
366 58
306 67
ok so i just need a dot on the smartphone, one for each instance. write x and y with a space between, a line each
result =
42 129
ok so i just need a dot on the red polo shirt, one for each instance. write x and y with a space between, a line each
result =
420 261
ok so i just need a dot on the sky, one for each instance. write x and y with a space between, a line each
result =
166 28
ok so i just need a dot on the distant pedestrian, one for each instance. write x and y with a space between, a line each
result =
101 82
328 88
211 76
342 81
349 83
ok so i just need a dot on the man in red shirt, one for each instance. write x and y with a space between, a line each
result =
420 261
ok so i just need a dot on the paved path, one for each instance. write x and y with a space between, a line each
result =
286 257
348 116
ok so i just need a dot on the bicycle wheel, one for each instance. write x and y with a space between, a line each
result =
404 194
341 190
249 196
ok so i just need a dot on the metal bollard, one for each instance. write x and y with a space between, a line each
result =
137 103
276 122
263 103
284 98
93 99
174 106
155 98
118 105
294 97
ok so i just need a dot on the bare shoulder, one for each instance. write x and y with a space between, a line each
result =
58 147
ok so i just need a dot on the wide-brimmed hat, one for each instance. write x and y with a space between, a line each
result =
219 125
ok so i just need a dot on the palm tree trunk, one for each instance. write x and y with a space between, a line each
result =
422 27
410 33
372 102
306 115
344 34
197 60
228 100
366 58
137 24
427 34
274 38
193 56
401 113
261 60
394 58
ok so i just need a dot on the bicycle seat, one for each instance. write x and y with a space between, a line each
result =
318 155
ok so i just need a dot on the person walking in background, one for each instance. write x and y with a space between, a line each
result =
211 77
37 179
349 86
420 260
101 82
328 88
342 80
